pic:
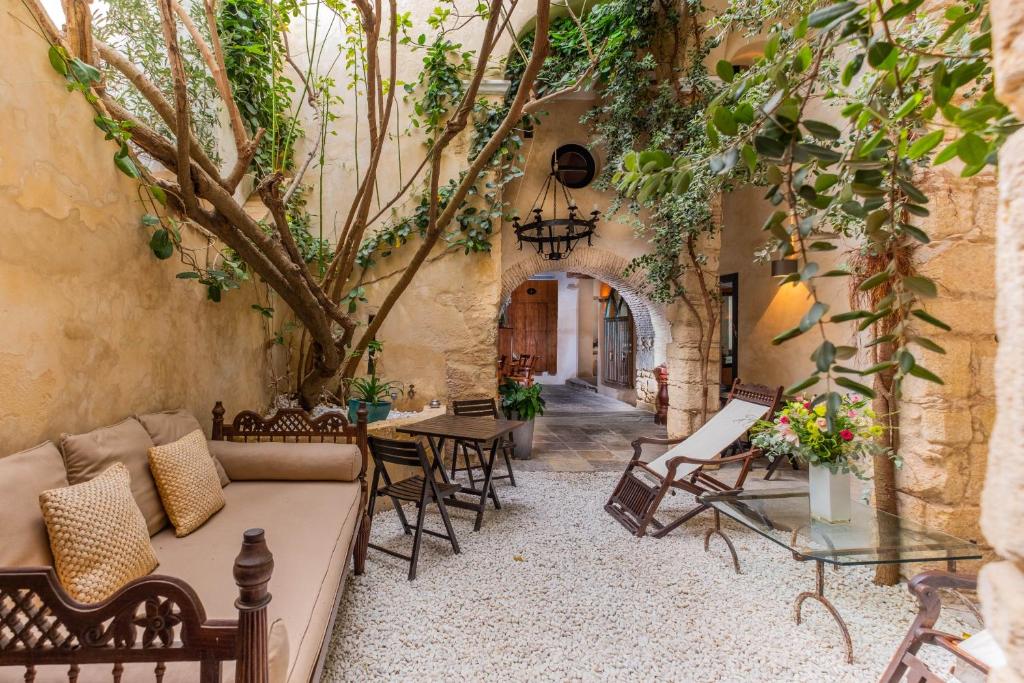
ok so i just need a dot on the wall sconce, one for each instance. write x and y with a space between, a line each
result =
784 266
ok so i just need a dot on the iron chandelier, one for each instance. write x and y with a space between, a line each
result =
555 238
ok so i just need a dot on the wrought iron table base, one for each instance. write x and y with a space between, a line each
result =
717 530
819 595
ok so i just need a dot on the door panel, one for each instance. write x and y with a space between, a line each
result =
533 317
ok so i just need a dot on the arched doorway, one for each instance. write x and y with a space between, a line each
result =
650 332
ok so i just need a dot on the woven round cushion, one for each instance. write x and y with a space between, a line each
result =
97 534
187 481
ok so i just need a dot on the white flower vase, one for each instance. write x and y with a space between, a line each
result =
830 495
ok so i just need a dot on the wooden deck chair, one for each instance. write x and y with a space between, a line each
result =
639 492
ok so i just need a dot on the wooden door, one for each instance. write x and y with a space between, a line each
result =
533 317
617 356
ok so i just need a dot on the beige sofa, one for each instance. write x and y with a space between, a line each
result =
308 498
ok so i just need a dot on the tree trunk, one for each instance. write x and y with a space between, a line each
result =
887 408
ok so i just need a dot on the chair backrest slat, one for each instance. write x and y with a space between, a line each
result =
396 452
475 407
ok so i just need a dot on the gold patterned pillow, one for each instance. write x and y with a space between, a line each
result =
187 480
98 535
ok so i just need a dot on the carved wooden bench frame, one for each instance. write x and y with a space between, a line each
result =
160 619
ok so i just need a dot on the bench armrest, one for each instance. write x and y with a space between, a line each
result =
286 461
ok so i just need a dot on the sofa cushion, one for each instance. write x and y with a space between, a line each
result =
187 480
86 455
279 461
309 529
170 425
97 534
23 476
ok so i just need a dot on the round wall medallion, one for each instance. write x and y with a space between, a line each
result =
531 291
573 165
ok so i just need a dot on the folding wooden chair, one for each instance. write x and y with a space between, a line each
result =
639 492
978 653
420 489
480 407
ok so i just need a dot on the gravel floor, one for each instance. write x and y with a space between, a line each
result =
552 589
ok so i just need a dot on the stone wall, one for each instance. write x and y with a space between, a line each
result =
686 400
1002 583
944 430
94 327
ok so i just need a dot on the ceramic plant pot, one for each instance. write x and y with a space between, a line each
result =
830 495
375 412
522 436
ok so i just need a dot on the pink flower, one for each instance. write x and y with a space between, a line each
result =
856 398
807 405
784 420
822 423
846 434
852 413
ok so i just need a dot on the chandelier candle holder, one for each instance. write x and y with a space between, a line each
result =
555 238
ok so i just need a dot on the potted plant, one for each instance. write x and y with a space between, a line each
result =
520 402
832 449
375 393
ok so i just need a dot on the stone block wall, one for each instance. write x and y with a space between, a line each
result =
1002 513
685 399
945 429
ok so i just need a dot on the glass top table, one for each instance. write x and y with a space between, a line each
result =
870 537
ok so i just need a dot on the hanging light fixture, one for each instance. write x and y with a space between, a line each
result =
555 238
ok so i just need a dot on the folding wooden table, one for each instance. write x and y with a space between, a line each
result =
481 433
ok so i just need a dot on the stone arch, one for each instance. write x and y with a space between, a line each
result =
653 332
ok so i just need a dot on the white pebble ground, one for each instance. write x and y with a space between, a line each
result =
553 589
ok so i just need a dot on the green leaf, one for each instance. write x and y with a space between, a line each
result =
925 144
161 244
800 386
821 129
972 149
847 383
921 285
851 69
826 15
124 162
824 355
57 60
813 315
158 193
85 73
724 121
849 315
769 147
930 319
188 275
925 374
915 232
150 220
786 336
874 281
725 70
882 55
926 343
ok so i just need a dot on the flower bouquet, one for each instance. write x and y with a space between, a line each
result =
832 449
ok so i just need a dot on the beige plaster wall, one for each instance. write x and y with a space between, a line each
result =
765 308
94 327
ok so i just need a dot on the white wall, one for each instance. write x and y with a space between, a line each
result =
586 326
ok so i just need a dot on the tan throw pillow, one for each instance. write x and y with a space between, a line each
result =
86 455
188 482
23 476
97 534
170 425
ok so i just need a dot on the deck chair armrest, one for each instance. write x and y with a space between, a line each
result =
639 443
746 455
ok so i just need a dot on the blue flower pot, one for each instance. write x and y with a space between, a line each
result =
374 411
